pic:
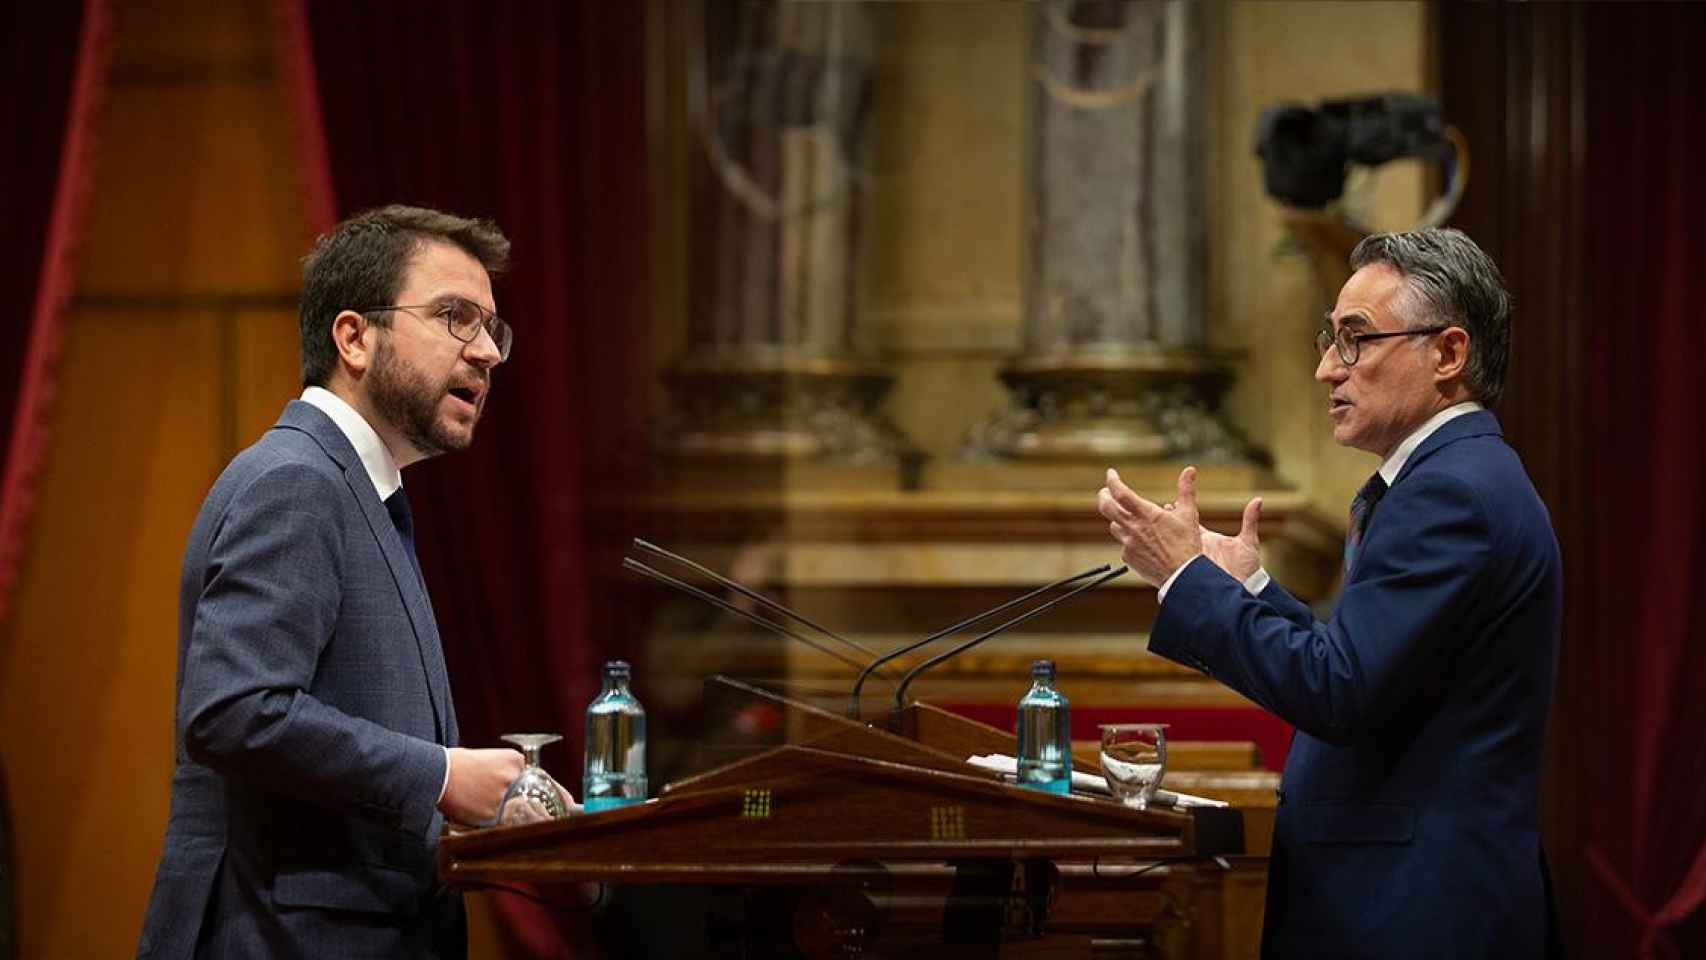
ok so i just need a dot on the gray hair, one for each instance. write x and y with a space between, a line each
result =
1458 284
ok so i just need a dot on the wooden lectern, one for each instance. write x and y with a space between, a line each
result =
887 843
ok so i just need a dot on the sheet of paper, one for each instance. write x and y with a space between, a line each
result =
1091 783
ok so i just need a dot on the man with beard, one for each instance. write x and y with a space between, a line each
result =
317 756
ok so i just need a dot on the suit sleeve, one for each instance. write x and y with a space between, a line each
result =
267 609
1287 605
1398 626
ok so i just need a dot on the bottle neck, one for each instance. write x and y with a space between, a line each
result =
615 685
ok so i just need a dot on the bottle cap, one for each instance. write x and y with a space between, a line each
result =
616 668
1041 668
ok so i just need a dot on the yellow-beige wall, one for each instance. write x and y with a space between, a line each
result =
943 292
941 263
1263 300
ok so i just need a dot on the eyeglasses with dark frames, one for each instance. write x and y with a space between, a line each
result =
1350 342
463 318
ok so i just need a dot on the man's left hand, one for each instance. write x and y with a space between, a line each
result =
1155 539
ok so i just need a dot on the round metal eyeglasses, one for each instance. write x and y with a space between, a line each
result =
463 318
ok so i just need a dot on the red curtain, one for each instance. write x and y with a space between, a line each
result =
532 114
1645 799
1647 251
55 58
1585 121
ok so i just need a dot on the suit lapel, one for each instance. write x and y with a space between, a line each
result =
1474 424
312 421
411 589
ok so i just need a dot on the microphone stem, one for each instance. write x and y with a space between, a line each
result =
858 685
751 594
905 681
629 563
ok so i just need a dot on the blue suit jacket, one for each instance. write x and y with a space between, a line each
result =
1408 823
312 711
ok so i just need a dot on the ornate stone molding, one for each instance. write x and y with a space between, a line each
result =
763 404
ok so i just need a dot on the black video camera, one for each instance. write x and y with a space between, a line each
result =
1304 152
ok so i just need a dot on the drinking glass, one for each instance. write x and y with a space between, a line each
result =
1134 759
533 795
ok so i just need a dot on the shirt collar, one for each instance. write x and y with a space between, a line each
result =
1395 462
381 466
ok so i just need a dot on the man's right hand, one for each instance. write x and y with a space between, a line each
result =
478 779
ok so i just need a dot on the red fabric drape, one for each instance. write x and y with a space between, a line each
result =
530 113
1646 797
53 66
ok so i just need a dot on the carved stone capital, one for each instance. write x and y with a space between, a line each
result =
773 404
1116 404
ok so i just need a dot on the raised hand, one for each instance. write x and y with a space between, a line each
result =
1155 540
1241 556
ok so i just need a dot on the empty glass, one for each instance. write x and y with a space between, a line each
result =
1134 759
533 796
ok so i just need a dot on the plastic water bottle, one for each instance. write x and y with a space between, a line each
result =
615 744
1045 734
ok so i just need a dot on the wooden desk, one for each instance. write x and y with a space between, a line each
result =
879 842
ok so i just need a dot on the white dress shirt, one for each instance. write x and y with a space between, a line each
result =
1389 470
381 467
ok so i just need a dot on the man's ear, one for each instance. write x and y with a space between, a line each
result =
1453 346
351 335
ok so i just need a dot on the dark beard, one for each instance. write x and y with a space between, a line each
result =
408 400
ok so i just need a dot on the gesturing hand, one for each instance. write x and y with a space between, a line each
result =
1240 556
1154 540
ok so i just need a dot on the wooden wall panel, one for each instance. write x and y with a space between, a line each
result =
195 190
180 347
181 350
194 38
266 370
86 671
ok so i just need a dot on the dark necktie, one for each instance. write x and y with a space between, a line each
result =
397 504
1362 507
432 655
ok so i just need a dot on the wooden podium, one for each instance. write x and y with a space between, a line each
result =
886 843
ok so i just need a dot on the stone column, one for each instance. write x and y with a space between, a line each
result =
1113 364
772 370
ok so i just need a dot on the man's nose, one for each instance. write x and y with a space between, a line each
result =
1331 369
482 351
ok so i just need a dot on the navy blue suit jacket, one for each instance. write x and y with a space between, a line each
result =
312 714
1408 823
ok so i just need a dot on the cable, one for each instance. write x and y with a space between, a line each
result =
1096 865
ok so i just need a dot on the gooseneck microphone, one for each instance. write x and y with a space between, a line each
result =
628 563
905 681
872 662
853 701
